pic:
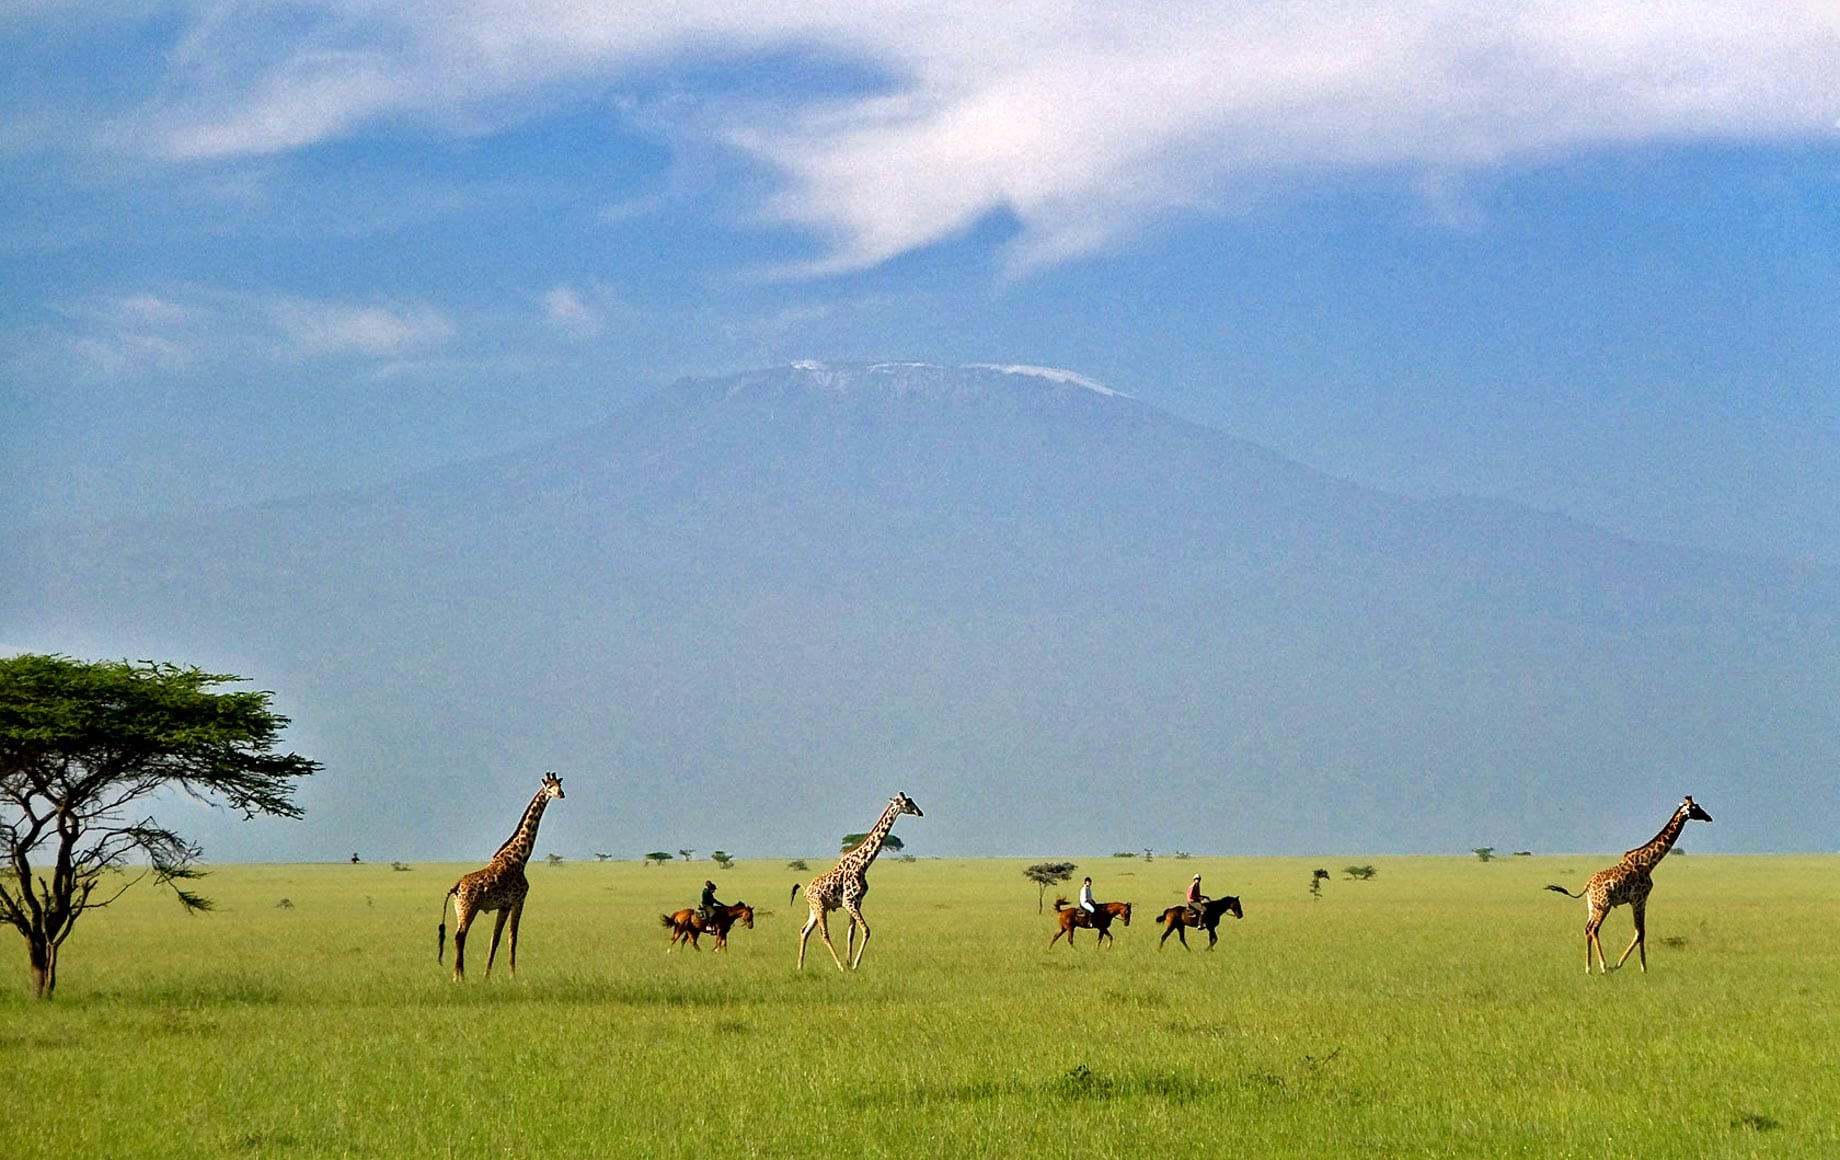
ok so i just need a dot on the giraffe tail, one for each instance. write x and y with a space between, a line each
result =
440 932
1567 893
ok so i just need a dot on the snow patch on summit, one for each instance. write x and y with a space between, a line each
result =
1053 375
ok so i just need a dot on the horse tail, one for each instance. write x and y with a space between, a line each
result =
1567 893
1060 902
667 920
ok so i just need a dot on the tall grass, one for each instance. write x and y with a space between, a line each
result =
1439 1009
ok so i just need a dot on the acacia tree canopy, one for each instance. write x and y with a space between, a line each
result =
81 744
1046 874
889 842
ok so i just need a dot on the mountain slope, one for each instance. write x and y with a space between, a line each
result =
745 611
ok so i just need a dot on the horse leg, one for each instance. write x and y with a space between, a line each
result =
1213 936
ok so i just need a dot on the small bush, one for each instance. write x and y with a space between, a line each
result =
1360 873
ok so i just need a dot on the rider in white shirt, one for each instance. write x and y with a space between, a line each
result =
1086 899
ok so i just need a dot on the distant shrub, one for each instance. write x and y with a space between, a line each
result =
1360 873
1483 853
1317 878
398 866
1125 854
798 864
722 858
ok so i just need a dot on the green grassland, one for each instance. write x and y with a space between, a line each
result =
1439 1009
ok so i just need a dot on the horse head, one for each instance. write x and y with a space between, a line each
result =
745 913
1125 913
1231 905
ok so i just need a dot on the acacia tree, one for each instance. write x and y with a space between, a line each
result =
889 842
81 745
1046 874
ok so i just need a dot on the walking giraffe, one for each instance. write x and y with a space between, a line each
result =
845 884
499 885
1628 881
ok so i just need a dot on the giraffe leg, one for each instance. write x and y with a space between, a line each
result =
498 928
805 934
824 932
1591 927
856 920
511 962
463 922
1640 940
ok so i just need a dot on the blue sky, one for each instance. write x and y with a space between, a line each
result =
1586 257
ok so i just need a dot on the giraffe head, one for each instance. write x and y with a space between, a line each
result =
1691 808
905 805
552 785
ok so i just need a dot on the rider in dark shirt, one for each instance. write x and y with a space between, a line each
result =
706 909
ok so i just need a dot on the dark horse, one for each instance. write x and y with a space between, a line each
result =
1072 917
1177 917
685 925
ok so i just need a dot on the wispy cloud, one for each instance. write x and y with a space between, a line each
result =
1081 121
565 310
186 327
338 328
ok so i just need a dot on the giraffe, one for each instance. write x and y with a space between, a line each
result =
845 884
499 885
1628 881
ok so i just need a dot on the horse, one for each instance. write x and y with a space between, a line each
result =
1101 920
1177 917
685 925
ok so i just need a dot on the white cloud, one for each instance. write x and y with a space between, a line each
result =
566 311
1081 120
317 327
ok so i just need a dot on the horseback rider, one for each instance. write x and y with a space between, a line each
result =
706 909
1195 900
1086 899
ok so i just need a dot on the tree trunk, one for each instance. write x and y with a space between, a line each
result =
44 966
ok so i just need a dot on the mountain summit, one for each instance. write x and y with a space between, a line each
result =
747 609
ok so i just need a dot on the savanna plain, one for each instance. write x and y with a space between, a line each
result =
1438 1008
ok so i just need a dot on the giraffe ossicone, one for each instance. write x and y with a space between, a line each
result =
845 884
499 885
1628 882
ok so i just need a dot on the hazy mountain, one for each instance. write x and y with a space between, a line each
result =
745 612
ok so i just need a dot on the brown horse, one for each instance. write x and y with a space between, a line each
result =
1212 911
685 925
1071 917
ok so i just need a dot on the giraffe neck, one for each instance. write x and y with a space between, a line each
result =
1647 857
523 840
858 859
